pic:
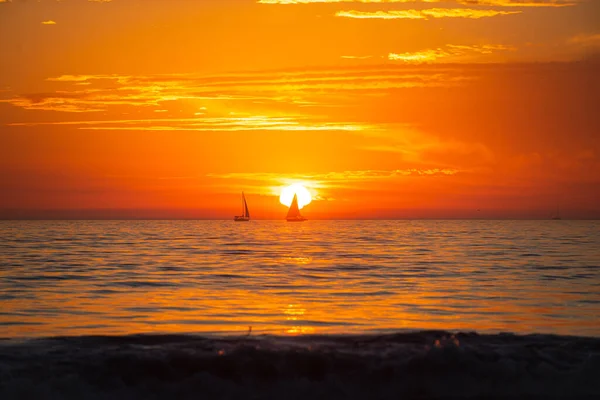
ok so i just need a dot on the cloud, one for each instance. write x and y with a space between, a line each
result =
322 184
298 88
211 124
49 22
341 1
283 96
271 182
425 14
357 57
337 175
450 51
521 3
405 14
89 78
482 49
586 40
418 57
500 3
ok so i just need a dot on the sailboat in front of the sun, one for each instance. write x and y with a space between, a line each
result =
245 217
293 214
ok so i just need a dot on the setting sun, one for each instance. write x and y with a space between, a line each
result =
287 194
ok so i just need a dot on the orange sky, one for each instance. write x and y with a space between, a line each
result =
383 109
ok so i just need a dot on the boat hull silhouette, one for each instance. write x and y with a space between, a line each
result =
296 219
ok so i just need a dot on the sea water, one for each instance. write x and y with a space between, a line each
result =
121 277
319 310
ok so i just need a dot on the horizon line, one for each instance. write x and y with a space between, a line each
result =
313 219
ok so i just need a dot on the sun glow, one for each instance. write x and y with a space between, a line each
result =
287 195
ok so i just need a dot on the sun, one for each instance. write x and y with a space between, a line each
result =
287 195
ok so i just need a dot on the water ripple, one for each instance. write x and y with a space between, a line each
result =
120 277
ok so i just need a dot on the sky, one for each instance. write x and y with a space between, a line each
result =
382 109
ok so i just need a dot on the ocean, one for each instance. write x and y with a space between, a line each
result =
327 309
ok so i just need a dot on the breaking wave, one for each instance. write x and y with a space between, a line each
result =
410 365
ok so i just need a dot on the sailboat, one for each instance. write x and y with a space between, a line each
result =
245 217
293 214
556 216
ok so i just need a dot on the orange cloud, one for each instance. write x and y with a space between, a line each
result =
586 39
451 51
49 22
269 183
482 49
339 1
418 57
425 14
210 124
104 92
501 3
521 3
357 57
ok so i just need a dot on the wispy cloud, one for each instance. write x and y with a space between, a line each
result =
269 183
211 124
591 39
482 49
450 51
356 57
336 175
341 1
500 3
425 14
283 96
418 57
521 3
95 93
49 22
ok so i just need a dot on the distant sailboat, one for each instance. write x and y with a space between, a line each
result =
557 217
245 217
293 214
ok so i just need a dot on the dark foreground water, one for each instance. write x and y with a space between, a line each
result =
418 365
336 309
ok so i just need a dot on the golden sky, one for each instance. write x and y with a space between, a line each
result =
383 109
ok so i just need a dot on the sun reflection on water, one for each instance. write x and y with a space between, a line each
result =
328 277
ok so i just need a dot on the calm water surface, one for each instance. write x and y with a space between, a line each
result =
118 277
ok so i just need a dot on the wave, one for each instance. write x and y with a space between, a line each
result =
409 365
